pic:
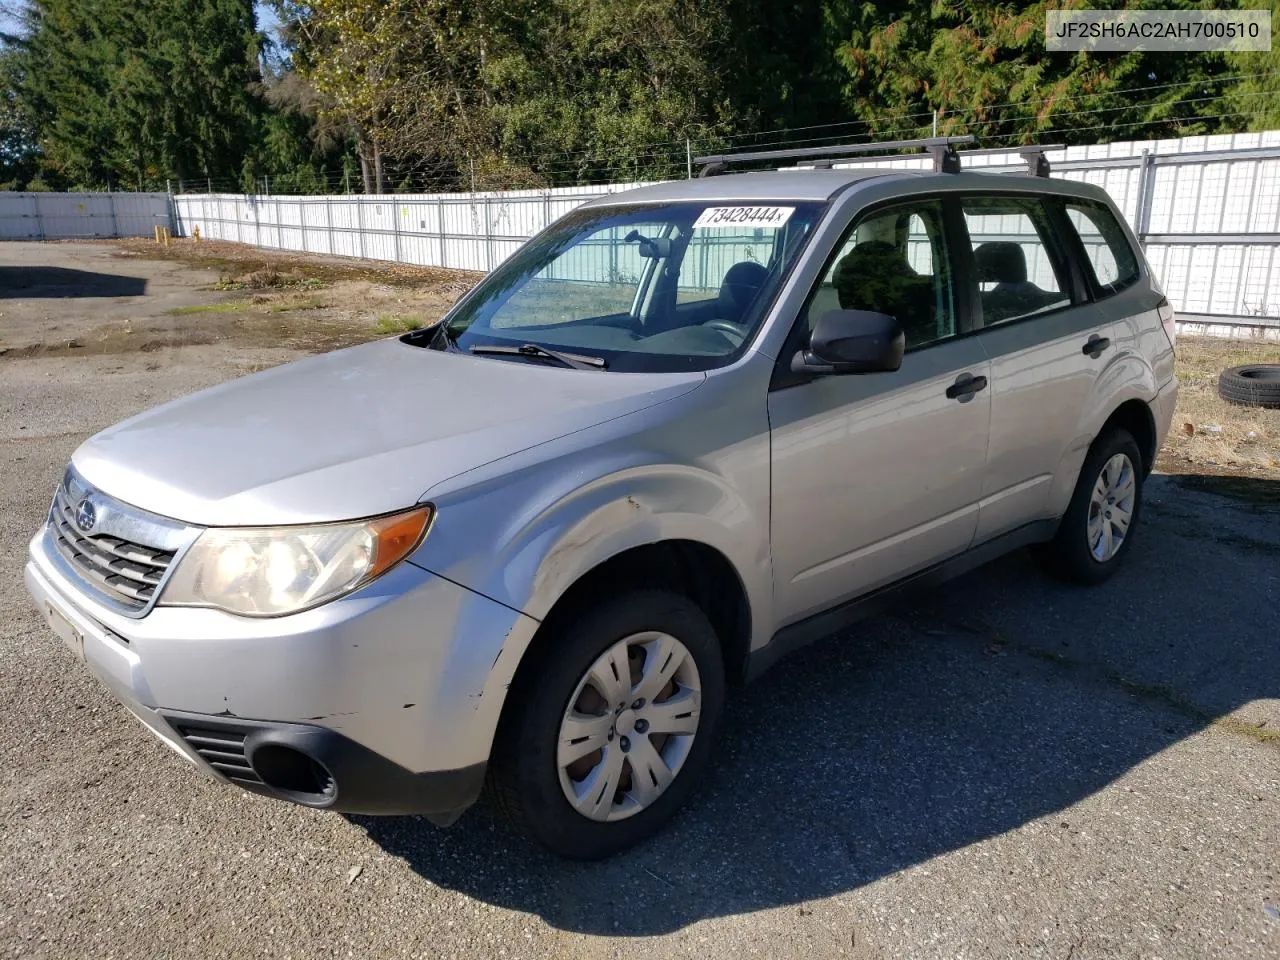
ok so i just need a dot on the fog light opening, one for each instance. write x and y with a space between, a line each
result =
294 774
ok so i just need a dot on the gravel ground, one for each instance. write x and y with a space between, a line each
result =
1006 768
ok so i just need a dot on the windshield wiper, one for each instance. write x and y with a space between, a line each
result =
441 334
576 360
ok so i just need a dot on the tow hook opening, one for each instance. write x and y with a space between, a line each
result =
293 774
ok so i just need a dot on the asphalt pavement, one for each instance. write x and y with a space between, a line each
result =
1007 767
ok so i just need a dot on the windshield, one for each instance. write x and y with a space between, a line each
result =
677 286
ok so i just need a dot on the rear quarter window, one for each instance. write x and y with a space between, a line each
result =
1105 246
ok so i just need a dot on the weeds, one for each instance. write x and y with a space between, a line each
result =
267 278
1208 430
199 308
396 323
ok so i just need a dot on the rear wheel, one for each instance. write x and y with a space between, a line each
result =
609 731
1098 527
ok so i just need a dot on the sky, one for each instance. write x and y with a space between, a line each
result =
267 20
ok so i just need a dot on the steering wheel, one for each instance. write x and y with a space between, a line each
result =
728 328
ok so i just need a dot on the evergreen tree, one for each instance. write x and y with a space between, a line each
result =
985 66
138 92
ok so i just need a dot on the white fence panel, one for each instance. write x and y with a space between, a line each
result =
19 218
1208 216
68 216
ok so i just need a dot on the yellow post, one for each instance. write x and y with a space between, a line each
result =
157 229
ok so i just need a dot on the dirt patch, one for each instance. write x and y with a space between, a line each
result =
192 294
239 262
1208 433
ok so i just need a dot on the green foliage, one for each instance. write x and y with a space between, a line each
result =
19 153
410 95
1254 99
534 92
985 66
134 93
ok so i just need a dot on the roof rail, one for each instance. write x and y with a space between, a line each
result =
942 148
946 159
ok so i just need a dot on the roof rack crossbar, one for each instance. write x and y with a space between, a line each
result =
1032 154
946 159
938 146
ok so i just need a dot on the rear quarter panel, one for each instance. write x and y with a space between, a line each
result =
1141 363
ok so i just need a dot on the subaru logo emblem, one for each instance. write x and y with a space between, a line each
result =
86 515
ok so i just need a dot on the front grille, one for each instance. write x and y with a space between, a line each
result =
222 749
128 572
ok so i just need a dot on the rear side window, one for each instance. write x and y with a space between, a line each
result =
1105 246
1020 273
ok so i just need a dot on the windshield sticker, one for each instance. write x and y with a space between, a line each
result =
744 217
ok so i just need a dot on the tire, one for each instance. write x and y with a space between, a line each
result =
1252 385
527 782
1071 555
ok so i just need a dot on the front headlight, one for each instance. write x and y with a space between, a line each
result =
268 572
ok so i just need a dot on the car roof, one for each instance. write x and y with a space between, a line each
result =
820 185
759 185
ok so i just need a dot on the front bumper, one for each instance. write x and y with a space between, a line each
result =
387 699
317 767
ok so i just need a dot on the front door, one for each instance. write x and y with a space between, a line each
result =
878 475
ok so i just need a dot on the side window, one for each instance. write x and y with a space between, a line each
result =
1019 271
893 261
1105 246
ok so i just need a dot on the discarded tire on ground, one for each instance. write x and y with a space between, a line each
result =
1253 385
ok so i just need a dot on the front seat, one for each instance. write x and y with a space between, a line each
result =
876 276
741 285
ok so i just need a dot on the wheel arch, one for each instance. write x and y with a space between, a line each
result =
649 525
1135 416
691 568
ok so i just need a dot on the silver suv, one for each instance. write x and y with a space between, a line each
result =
682 431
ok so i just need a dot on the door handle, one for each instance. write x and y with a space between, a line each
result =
1095 345
965 387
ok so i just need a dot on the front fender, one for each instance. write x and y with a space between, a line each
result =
523 530
528 539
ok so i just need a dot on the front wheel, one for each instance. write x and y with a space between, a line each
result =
612 726
1098 527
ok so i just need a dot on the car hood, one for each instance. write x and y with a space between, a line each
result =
350 434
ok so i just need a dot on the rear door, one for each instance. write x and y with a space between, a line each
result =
1047 345
877 475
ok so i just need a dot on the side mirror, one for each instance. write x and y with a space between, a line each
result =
852 341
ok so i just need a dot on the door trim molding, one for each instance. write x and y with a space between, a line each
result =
819 625
893 540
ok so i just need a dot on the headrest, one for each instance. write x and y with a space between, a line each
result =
1000 262
741 283
871 276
